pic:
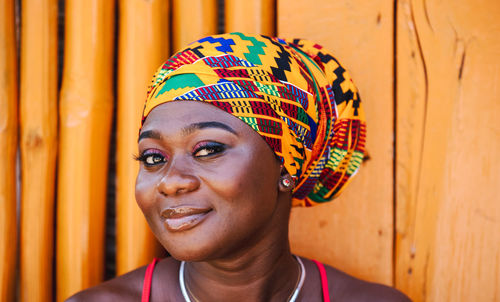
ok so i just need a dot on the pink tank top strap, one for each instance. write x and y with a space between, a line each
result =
324 281
148 278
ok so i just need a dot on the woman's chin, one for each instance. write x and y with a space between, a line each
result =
188 249
185 250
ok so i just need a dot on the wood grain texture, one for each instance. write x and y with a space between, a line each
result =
448 137
8 150
86 103
355 232
251 17
143 46
192 20
38 144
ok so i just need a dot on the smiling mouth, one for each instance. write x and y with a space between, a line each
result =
183 218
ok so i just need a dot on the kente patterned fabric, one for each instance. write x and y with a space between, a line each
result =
294 93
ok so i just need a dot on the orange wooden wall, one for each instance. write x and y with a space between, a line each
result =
448 150
360 223
422 215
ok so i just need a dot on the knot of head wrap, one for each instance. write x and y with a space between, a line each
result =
294 93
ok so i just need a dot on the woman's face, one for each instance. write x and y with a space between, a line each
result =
208 183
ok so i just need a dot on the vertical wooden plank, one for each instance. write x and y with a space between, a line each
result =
86 103
8 149
354 232
448 214
38 119
252 17
192 20
143 46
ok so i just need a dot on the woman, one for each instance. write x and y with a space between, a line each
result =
236 130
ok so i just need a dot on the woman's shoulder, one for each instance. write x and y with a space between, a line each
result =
127 287
344 287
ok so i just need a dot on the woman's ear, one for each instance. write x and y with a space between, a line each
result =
286 183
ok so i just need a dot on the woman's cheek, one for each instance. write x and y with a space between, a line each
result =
145 198
228 180
144 193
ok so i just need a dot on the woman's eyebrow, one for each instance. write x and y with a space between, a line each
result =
149 134
203 125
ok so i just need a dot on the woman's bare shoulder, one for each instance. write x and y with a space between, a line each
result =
127 287
348 288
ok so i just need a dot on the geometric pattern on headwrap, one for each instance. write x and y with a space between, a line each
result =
294 93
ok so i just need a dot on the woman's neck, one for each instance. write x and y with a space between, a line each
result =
258 274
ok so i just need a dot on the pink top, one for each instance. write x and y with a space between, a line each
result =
148 277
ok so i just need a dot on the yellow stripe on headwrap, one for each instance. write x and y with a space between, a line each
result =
294 93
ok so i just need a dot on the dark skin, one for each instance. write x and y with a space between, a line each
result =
210 188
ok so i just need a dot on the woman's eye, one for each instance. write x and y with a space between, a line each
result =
208 148
151 158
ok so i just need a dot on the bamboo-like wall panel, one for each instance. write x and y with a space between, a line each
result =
85 121
421 215
143 45
38 144
192 20
253 17
8 149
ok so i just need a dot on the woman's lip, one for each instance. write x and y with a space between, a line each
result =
183 218
182 211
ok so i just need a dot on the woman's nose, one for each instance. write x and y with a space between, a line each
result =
177 181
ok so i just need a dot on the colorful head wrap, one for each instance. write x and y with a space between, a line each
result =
294 93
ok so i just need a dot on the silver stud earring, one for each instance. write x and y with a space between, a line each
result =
286 182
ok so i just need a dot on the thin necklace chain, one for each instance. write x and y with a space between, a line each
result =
294 295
